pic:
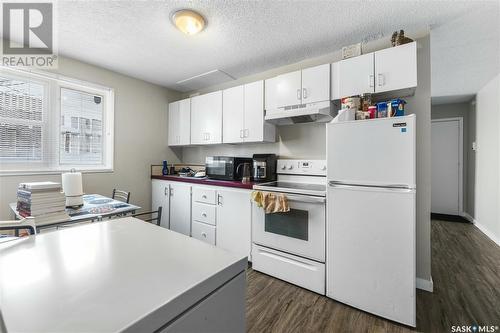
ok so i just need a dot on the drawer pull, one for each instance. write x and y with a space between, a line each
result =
204 234
204 196
204 214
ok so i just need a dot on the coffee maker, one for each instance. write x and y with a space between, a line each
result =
264 167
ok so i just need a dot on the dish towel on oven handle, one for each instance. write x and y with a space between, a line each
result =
271 202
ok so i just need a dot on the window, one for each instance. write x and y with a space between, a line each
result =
51 124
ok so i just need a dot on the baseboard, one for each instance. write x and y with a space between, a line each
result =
427 285
468 217
487 232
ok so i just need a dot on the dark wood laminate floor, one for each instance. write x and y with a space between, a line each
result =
466 274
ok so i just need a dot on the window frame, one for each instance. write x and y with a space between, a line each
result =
51 153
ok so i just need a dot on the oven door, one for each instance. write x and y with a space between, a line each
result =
219 167
301 231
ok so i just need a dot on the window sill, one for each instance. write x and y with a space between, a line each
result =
50 172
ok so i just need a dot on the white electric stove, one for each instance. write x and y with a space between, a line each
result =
291 246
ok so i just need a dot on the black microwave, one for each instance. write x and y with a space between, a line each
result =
224 167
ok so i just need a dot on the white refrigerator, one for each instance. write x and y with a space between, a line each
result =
371 216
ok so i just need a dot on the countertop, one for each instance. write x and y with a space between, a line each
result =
206 181
121 274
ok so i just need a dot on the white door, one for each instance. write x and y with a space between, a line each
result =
446 165
372 152
206 118
180 208
371 250
254 112
233 114
356 75
160 198
316 84
184 122
289 89
173 124
396 68
234 212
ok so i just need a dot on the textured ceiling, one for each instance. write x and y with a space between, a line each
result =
465 54
242 37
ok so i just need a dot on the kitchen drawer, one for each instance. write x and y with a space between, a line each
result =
205 195
204 213
300 271
203 232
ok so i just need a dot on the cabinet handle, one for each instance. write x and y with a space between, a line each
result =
204 196
241 134
298 94
204 234
246 133
381 80
219 200
372 81
165 191
170 191
208 136
304 93
204 214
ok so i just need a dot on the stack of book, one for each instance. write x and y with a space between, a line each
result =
42 200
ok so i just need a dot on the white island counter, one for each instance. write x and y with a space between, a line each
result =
120 275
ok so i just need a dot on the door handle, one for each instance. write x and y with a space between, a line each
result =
304 93
298 94
381 80
371 82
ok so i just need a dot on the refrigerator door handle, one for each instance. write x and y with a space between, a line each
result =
389 187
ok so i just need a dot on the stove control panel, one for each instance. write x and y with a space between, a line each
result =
302 167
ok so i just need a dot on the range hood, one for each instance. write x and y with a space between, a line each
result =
320 112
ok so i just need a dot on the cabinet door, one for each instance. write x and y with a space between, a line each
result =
160 198
288 89
254 112
180 208
356 75
316 84
271 95
234 221
173 120
184 122
396 68
206 118
232 110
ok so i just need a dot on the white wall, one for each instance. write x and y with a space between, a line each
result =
487 214
309 140
140 136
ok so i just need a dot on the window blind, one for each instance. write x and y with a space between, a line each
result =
21 120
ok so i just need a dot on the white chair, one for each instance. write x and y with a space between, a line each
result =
26 223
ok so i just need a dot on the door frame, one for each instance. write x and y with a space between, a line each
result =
460 157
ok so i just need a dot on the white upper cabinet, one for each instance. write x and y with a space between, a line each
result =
206 119
355 76
386 70
173 117
179 123
243 115
233 107
289 88
316 84
309 85
396 68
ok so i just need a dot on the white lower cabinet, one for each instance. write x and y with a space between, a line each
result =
204 232
234 221
220 216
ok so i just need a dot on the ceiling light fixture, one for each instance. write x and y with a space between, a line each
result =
188 21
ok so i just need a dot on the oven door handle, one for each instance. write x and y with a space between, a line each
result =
305 198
